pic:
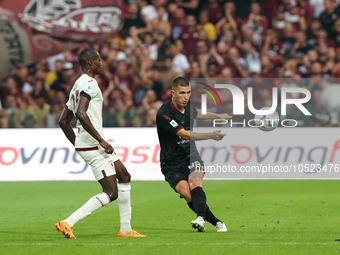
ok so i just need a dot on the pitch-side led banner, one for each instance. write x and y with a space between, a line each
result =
46 154
284 153
31 30
245 153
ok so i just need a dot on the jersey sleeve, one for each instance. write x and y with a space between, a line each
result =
89 89
167 122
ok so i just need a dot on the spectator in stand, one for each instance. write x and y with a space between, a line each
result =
323 40
288 39
305 10
208 27
316 81
160 6
152 80
273 47
117 117
167 74
159 25
64 81
329 16
3 119
150 118
236 63
196 70
148 11
255 9
288 13
267 68
301 47
149 98
312 34
52 75
191 7
270 8
330 63
304 69
53 116
210 62
14 114
39 90
11 87
228 22
336 33
215 11
201 51
252 58
38 109
133 19
180 62
258 34
179 23
313 56
180 46
123 75
189 35
147 42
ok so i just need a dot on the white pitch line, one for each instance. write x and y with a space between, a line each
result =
158 244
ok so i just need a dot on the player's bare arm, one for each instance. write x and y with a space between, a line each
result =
211 115
86 123
64 123
189 135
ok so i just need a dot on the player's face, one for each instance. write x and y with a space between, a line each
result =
181 95
97 65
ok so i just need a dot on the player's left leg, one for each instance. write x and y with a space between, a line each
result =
124 201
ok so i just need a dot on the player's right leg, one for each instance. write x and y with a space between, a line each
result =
109 194
105 174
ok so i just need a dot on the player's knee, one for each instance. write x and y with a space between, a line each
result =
126 178
195 183
113 195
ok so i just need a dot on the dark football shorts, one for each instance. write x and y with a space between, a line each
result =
175 173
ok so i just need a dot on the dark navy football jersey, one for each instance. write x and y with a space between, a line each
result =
175 149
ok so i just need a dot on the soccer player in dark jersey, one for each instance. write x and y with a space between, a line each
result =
181 163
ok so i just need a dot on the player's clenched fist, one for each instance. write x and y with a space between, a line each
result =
108 147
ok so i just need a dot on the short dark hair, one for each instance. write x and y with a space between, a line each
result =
85 55
179 81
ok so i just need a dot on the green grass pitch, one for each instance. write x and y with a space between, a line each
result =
262 217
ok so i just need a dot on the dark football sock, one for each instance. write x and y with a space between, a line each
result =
210 217
199 201
191 206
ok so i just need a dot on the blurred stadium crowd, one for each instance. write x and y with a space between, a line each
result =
289 43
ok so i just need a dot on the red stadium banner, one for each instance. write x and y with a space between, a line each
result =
36 29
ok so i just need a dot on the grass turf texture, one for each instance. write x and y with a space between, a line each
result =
262 217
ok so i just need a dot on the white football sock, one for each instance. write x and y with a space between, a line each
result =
124 203
89 207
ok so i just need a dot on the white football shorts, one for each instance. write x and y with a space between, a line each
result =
102 164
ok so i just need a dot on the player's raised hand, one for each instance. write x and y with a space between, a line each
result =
108 147
217 135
